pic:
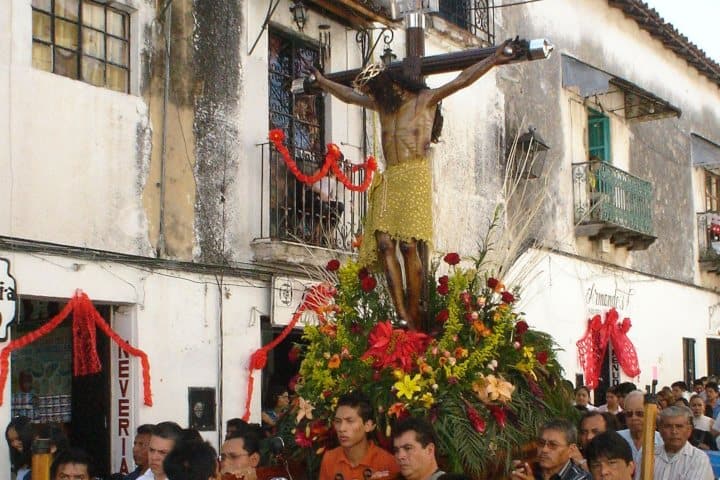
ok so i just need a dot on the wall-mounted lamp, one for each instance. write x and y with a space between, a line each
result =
324 39
299 13
530 154
388 56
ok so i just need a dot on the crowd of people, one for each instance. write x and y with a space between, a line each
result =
606 443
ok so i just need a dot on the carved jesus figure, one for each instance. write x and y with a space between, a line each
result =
400 198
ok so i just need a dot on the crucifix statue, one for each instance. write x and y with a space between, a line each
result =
400 198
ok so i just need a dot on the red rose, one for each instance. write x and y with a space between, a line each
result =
442 316
542 357
507 297
333 265
443 289
363 273
294 354
443 280
521 327
452 258
492 283
465 298
368 284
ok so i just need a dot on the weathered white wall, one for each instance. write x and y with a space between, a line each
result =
600 35
558 301
75 156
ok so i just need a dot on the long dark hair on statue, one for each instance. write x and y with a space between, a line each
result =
389 99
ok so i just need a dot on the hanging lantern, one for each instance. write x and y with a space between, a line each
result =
530 154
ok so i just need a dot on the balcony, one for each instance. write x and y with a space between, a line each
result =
612 204
708 225
296 226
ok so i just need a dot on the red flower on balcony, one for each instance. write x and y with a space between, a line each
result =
394 348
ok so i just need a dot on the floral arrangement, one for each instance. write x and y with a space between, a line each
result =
477 371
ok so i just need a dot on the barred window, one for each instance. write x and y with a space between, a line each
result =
301 116
475 16
84 40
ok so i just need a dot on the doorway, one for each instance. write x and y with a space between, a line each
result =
44 389
713 356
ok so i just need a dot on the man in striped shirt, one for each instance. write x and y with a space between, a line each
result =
677 458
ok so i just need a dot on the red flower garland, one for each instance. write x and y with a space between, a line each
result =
277 137
85 319
316 298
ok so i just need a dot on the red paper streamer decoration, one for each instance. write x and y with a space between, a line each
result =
85 358
277 137
315 300
593 345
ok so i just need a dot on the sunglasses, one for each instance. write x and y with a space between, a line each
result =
636 413
551 444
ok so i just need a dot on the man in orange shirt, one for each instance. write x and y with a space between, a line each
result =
356 458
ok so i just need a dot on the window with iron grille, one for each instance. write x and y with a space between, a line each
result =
475 16
299 116
84 40
712 192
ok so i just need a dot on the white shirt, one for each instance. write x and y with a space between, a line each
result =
604 408
689 463
148 475
703 423
637 452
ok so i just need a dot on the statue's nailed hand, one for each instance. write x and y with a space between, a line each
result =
510 50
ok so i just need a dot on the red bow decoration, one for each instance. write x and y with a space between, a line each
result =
85 357
314 300
593 345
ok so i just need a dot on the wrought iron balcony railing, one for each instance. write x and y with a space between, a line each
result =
475 16
613 204
708 225
294 212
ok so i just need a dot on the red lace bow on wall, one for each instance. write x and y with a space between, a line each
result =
593 345
85 357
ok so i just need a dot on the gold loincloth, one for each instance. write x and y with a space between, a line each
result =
400 204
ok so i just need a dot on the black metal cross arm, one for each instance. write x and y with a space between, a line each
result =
522 51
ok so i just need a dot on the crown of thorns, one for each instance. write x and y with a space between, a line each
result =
371 71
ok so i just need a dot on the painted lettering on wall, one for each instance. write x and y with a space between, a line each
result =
618 299
8 298
123 411
614 367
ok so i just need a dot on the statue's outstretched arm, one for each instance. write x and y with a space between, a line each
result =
344 93
503 54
